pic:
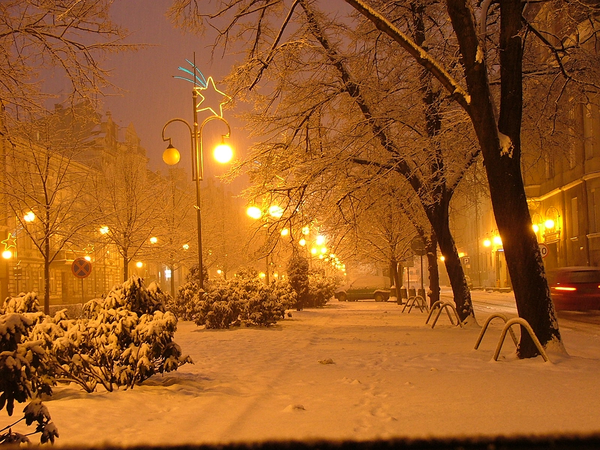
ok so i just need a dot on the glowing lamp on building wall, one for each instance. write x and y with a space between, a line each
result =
549 224
7 254
497 241
487 243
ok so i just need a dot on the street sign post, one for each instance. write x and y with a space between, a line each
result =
81 268
418 246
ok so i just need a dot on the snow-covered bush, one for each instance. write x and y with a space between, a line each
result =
122 340
185 304
24 368
35 411
320 289
297 271
24 303
243 300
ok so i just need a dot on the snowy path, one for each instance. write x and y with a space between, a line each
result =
359 370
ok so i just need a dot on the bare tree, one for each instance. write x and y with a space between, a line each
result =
176 226
45 183
67 39
125 199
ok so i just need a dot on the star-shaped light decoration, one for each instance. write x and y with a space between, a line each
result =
210 84
10 242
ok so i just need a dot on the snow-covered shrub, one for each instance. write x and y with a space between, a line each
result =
286 296
24 303
320 289
122 340
297 271
185 304
24 368
244 299
35 411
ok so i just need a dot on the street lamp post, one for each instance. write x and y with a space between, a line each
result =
223 153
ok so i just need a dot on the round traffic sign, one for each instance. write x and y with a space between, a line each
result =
544 250
81 268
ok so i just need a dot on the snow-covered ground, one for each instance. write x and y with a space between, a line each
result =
357 371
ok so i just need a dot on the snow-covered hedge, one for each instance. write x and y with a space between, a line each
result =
245 299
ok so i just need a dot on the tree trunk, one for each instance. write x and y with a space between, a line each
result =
432 267
47 277
500 145
395 277
438 216
125 266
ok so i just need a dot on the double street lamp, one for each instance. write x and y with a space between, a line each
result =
222 152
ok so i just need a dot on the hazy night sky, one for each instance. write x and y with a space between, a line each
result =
151 96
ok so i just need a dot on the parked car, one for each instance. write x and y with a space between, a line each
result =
575 288
364 288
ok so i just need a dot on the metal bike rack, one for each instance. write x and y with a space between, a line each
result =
486 324
524 324
440 305
415 299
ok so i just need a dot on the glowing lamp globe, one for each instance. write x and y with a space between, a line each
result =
171 155
254 212
223 153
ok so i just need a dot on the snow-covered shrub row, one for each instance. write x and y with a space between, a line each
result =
245 299
24 368
123 339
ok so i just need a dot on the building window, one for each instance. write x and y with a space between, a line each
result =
574 218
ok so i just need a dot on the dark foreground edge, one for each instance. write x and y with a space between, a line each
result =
495 443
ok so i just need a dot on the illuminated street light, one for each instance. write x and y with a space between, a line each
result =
223 153
254 212
29 217
153 240
7 254
274 211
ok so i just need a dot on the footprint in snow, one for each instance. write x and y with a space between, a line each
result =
291 408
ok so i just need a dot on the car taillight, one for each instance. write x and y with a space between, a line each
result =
566 288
